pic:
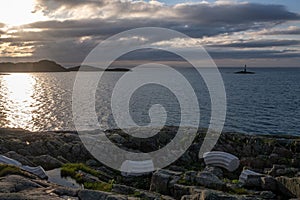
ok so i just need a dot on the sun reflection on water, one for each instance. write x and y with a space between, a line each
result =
17 96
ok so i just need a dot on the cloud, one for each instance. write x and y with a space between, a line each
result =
159 55
254 54
235 13
196 20
259 44
292 30
2 25
76 26
219 13
104 9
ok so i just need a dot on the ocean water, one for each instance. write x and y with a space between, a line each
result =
267 102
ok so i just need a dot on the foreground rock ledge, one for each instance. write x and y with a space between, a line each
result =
277 157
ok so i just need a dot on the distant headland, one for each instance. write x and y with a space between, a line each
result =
48 66
40 66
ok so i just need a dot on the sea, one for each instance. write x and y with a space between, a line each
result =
267 102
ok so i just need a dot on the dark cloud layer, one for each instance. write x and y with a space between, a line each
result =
195 20
236 13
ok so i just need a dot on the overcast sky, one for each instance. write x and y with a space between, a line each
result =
259 33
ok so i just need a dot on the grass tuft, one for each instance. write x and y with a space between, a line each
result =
9 169
72 170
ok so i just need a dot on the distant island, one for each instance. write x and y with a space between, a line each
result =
40 66
48 66
244 71
91 68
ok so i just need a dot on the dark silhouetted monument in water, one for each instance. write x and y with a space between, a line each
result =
245 71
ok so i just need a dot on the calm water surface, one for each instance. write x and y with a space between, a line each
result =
264 103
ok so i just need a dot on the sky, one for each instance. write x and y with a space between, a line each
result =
260 33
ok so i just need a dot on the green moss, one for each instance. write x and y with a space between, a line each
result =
9 169
102 186
235 181
269 141
72 170
239 191
136 194
183 181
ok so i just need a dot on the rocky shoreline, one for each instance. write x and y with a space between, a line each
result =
277 158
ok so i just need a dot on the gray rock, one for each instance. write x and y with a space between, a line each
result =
253 182
209 180
272 184
47 162
149 195
269 183
116 138
88 177
274 169
192 197
182 190
161 179
267 195
92 163
116 197
283 152
215 170
92 195
282 170
163 197
213 195
189 176
63 191
22 159
274 158
123 189
292 184
16 183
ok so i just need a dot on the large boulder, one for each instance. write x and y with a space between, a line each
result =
16 183
283 152
123 189
213 195
22 159
92 195
209 180
292 184
47 162
182 190
215 170
267 183
282 170
163 181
